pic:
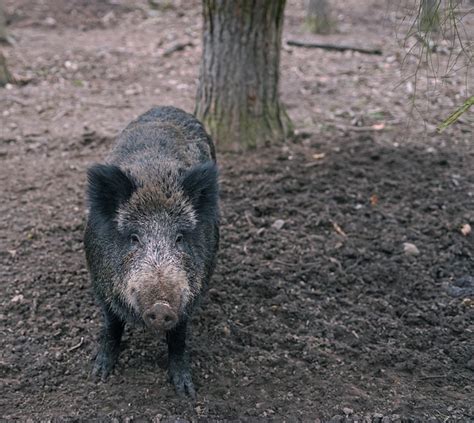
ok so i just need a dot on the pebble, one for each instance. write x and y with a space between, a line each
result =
466 229
278 224
50 21
410 249
462 287
17 298
347 411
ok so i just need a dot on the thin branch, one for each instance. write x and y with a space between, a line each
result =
334 47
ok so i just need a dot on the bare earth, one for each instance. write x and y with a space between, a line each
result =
324 317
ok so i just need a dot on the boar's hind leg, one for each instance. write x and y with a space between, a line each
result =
179 368
109 345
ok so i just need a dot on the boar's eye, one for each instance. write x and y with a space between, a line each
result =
135 239
179 240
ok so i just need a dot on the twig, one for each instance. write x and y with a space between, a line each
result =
177 47
75 347
334 47
360 128
455 116
104 105
34 306
338 229
425 377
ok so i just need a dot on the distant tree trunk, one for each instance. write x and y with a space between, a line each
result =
318 17
5 75
429 15
3 25
237 97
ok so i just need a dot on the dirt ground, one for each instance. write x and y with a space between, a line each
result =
331 315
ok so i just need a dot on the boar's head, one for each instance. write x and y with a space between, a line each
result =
157 230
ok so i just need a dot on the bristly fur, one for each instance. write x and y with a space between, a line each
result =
153 232
161 178
108 187
200 185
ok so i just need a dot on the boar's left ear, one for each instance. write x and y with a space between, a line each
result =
201 186
108 187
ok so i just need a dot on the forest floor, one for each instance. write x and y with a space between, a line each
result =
330 315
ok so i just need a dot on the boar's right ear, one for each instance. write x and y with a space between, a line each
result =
108 187
201 186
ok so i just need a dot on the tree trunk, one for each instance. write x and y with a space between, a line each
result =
237 97
5 75
429 15
3 25
318 17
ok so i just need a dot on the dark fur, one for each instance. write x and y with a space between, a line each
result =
108 187
161 167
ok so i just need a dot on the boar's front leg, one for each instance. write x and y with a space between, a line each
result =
109 345
178 361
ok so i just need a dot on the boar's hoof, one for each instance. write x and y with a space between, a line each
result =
104 363
180 377
161 317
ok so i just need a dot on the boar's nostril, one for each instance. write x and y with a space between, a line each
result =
161 316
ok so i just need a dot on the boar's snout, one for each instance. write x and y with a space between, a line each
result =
160 317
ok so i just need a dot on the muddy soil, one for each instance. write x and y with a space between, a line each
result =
343 285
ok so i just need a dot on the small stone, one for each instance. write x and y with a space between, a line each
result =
278 224
466 229
225 330
17 298
347 411
462 287
50 21
410 249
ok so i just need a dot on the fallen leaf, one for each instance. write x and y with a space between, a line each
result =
374 199
378 126
466 229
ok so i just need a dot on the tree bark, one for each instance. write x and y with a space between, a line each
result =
3 25
5 75
318 17
237 97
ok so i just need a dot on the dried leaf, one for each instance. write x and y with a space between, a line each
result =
374 199
378 126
